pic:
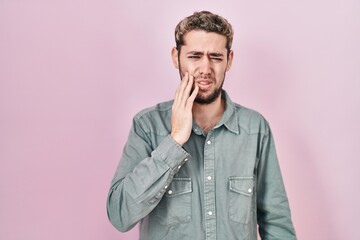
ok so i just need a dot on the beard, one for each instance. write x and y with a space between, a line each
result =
201 99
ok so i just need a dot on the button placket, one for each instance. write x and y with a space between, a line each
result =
209 187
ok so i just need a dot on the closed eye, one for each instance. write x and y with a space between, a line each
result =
217 59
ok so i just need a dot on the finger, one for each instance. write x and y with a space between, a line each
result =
191 99
182 87
189 85
179 90
188 88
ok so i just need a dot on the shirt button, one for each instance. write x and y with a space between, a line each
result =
169 192
166 187
179 167
209 142
186 159
209 177
210 213
249 190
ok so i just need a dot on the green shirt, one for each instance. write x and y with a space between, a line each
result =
220 185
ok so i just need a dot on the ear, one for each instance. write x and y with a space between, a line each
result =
230 59
175 57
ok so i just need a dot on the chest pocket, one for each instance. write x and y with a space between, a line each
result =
241 191
175 206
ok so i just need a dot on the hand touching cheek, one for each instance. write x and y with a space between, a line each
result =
181 117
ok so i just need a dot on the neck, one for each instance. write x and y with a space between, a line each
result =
208 115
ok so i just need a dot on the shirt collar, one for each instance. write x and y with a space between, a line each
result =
230 118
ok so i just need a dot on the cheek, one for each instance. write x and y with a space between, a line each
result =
220 74
185 67
190 69
222 69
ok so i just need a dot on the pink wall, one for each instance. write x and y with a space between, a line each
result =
73 73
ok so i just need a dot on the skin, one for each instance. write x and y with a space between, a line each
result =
202 63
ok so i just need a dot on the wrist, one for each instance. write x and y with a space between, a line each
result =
177 139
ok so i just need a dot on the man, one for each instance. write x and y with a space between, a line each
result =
200 166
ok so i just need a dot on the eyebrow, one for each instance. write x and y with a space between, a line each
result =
195 53
216 54
198 53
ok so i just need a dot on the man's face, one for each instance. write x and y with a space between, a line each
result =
204 55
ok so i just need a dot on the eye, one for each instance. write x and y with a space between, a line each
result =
194 56
217 59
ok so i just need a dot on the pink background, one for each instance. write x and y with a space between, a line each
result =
73 74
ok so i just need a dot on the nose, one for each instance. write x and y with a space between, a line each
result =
205 66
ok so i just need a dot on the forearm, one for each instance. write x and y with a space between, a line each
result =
135 194
273 211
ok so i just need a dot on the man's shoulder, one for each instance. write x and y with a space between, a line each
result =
251 120
155 119
161 109
248 114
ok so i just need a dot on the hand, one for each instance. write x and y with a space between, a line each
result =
181 117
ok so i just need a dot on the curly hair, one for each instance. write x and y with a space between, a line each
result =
205 21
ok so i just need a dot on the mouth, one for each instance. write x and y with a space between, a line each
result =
204 84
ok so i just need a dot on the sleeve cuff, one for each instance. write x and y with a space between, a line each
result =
171 153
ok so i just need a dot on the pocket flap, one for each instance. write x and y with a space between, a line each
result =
179 186
242 185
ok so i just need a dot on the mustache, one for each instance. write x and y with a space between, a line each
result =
201 77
